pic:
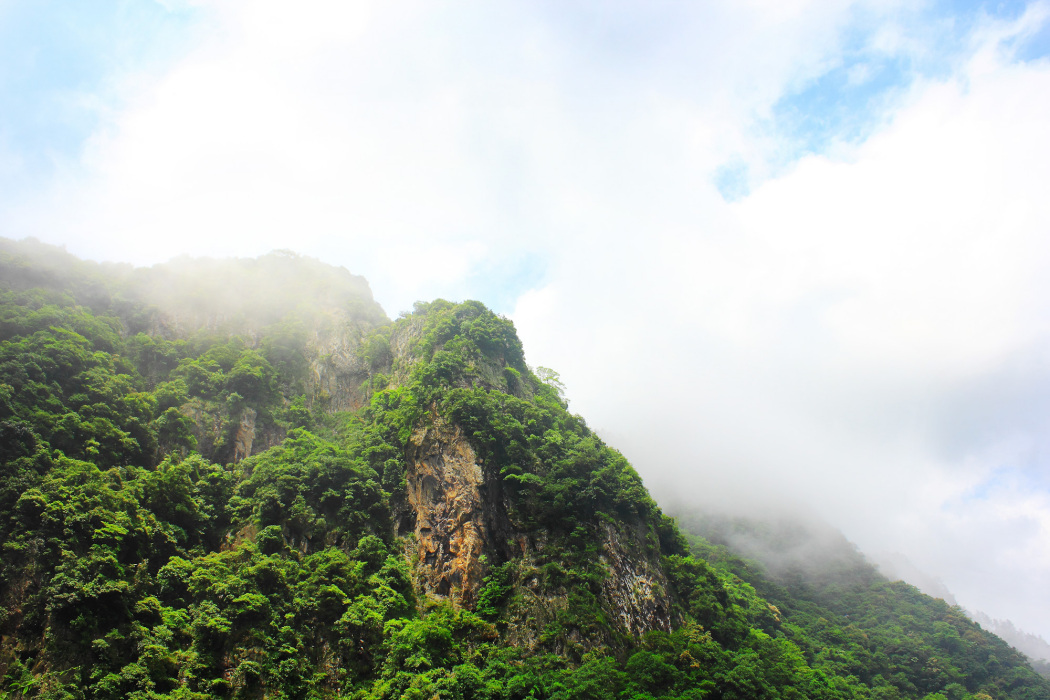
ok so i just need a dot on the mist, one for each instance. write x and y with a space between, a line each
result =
783 255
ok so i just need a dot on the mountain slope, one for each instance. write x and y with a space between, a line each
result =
849 619
247 482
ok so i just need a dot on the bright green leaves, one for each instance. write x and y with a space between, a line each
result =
495 590
844 630
315 491
78 400
705 598
155 357
253 378
189 497
202 377
465 345
393 415
375 349
284 611
442 653
229 369
419 645
175 432
94 539
557 471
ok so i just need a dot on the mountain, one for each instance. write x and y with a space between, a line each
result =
1033 646
849 618
240 479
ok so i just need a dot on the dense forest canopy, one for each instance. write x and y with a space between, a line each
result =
240 479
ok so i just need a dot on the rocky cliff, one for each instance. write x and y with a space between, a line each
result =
449 524
456 526
454 518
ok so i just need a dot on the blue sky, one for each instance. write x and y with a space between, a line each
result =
780 252
58 61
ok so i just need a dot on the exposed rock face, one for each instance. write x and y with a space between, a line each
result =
209 426
455 521
222 437
636 587
338 370
635 593
242 441
446 512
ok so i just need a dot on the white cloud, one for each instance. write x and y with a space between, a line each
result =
825 339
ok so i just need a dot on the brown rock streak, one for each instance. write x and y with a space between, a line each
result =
443 481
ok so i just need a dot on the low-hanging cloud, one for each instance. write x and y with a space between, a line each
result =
865 335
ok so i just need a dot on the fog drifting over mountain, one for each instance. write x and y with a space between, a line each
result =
780 253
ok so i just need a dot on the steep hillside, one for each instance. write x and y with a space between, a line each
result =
1034 647
848 618
239 479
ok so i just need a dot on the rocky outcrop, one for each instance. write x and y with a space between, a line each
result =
245 435
636 588
210 427
634 594
224 437
455 522
445 514
339 372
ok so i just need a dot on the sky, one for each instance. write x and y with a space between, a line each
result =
790 254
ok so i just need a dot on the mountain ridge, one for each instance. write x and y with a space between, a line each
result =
311 500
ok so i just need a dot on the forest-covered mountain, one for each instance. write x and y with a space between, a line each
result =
240 479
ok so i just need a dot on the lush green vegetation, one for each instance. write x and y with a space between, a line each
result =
850 621
142 558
